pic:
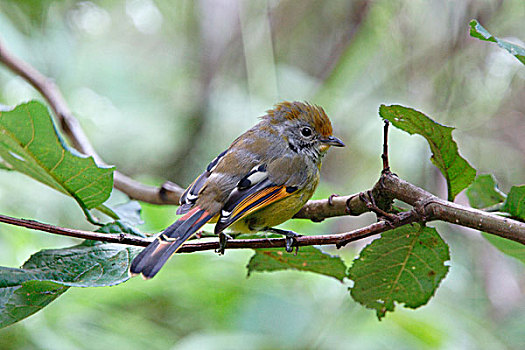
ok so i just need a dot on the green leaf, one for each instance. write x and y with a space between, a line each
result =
307 259
477 31
129 212
484 192
4 166
515 203
29 143
445 156
49 273
405 265
120 227
17 303
508 247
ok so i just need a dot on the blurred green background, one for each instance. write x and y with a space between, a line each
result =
161 87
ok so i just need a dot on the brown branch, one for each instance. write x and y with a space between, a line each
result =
434 208
339 239
96 236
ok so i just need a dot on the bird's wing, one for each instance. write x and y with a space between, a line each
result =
236 183
254 191
189 197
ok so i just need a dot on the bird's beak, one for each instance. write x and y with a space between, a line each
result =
332 141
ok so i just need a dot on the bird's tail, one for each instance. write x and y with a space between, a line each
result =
154 256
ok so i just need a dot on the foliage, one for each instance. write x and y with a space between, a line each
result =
48 274
484 193
477 31
515 202
456 170
31 145
406 265
307 259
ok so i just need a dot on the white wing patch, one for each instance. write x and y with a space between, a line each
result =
256 175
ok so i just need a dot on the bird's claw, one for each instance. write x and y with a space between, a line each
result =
289 243
290 238
223 240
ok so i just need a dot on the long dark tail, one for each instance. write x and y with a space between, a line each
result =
154 256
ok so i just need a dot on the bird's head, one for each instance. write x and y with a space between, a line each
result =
305 127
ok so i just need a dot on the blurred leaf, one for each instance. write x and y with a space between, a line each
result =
456 170
307 259
405 265
484 192
27 14
510 248
477 31
4 166
49 273
515 203
129 212
30 144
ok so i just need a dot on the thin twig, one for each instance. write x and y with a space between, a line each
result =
384 156
339 239
96 236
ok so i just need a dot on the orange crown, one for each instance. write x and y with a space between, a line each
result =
312 114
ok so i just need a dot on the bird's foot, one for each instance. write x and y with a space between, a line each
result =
290 238
223 239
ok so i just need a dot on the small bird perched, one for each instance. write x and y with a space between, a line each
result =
264 178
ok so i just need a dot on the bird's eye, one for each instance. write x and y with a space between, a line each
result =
306 132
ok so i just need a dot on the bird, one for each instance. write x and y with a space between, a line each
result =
261 180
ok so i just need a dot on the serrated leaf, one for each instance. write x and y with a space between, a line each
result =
457 171
49 273
307 259
405 265
515 203
484 192
30 144
477 31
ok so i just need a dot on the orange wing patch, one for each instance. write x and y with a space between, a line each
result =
254 202
260 199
